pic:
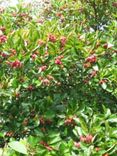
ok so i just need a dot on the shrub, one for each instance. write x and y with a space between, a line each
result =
51 72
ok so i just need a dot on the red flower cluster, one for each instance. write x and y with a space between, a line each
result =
70 122
30 88
114 4
46 82
107 45
33 56
13 52
91 59
49 148
4 55
103 81
93 73
63 40
2 29
3 38
44 121
58 60
42 68
77 144
52 38
87 139
58 14
16 64
41 42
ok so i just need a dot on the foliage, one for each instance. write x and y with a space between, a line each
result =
57 73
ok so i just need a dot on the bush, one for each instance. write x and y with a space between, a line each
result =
56 74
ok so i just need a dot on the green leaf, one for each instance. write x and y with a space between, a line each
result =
104 85
18 146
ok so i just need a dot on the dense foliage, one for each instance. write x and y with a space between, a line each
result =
58 80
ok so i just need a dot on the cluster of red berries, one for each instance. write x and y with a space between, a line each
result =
46 81
41 42
3 38
49 148
114 4
58 60
16 64
91 59
44 121
33 56
4 55
63 41
42 68
30 88
77 144
93 73
103 81
2 29
70 121
52 38
86 139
